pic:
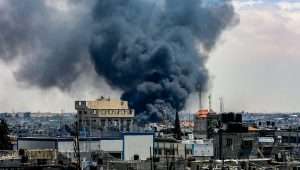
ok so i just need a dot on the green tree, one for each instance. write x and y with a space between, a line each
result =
4 139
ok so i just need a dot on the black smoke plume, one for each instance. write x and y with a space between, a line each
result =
153 50
49 44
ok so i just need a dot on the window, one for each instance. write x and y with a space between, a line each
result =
102 123
159 151
228 142
126 112
247 144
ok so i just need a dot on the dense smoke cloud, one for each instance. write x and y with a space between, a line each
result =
153 50
50 44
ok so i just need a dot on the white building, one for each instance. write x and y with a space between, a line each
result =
137 145
127 147
201 148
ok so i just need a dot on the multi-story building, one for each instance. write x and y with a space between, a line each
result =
105 114
205 121
200 124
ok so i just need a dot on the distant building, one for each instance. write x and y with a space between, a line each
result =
236 145
105 114
204 122
235 140
167 148
27 115
200 124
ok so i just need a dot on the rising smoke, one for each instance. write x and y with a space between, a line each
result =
153 50
49 43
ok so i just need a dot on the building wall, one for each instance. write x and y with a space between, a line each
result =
289 137
107 104
36 144
131 144
107 145
48 154
203 150
105 114
178 150
233 145
140 145
111 145
86 147
200 128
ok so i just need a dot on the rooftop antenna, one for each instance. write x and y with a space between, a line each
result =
200 99
61 117
209 100
221 105
76 144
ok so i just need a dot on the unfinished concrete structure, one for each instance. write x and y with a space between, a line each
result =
105 114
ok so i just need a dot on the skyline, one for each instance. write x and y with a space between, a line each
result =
253 67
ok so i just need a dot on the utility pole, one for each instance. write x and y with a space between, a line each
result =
221 104
177 128
200 99
76 144
209 101
151 157
76 148
61 118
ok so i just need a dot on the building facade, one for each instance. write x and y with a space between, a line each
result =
105 114
129 146
200 124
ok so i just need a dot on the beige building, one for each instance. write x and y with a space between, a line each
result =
105 114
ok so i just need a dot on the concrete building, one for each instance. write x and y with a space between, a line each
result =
29 159
166 148
105 114
138 146
203 149
204 122
64 146
36 143
200 124
236 145
234 140
129 146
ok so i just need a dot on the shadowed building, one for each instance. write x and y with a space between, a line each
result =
105 114
200 124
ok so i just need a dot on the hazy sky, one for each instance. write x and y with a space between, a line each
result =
254 67
256 64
